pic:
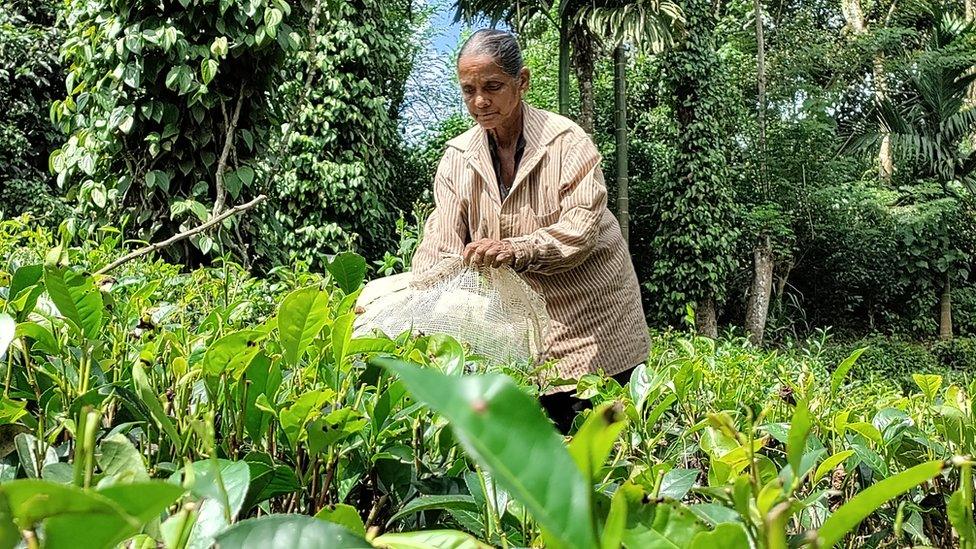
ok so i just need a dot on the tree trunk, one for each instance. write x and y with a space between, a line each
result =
564 52
762 287
761 95
583 55
620 131
854 16
886 160
706 318
971 16
945 311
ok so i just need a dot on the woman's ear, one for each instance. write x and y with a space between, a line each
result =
524 80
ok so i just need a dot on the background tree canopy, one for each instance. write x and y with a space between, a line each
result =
790 165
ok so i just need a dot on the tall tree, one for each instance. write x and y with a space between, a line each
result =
757 307
695 226
861 26
927 123
650 26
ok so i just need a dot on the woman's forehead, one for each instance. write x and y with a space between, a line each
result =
479 67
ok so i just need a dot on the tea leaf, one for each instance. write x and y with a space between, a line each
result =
830 464
849 515
343 515
301 316
431 539
504 430
348 270
592 443
76 298
841 372
288 530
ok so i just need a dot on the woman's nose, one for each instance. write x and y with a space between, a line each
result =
482 102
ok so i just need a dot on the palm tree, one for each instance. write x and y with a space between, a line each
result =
649 26
929 119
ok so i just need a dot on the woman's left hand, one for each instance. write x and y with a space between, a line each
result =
489 253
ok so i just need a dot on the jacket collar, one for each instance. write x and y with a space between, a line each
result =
539 129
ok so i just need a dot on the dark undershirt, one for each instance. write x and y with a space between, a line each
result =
497 163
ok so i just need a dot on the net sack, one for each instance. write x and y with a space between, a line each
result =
496 313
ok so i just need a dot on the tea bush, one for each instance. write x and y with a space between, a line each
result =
156 406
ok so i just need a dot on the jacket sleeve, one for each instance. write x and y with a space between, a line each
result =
446 230
583 199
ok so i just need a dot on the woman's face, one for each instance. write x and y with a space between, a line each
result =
490 94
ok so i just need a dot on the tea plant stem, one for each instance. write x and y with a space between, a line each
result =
10 371
30 538
156 246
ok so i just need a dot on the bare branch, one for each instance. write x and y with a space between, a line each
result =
229 130
181 236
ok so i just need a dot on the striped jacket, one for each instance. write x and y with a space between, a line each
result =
567 244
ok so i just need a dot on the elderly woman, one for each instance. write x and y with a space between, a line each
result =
524 188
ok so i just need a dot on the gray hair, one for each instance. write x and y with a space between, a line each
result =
499 45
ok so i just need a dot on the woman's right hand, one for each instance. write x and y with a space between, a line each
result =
489 253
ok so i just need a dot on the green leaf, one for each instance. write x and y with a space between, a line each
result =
76 298
505 431
677 483
653 525
348 270
101 519
301 317
42 336
294 418
288 530
232 353
428 503
841 372
144 500
344 515
612 534
593 442
848 516
149 398
961 517
446 353
724 536
797 441
208 69
430 539
929 384
830 464
8 331
267 479
120 461
9 533
24 287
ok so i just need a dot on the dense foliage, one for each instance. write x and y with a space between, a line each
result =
188 408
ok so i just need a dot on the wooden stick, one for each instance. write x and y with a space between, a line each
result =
181 236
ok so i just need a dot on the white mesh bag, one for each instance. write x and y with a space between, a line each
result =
493 311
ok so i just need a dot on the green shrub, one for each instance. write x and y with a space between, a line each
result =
886 358
957 354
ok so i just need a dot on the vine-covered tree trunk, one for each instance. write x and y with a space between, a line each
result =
695 227
945 310
620 131
757 308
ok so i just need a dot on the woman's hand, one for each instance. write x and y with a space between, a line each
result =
489 253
